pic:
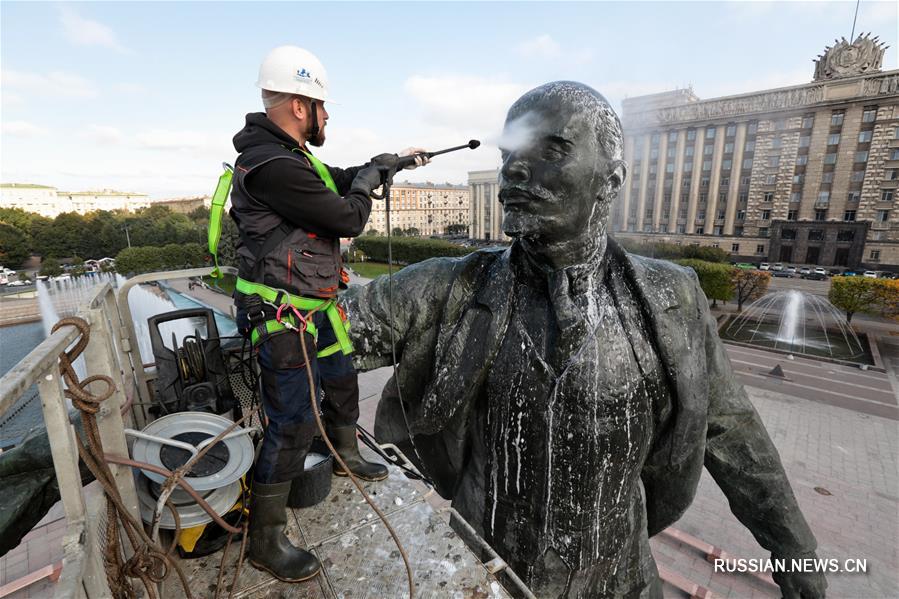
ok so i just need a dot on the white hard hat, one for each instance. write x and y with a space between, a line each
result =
293 70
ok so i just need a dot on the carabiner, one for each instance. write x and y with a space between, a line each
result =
286 323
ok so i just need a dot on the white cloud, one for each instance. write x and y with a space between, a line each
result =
85 32
10 99
130 88
542 46
23 129
56 83
474 103
104 134
162 139
771 80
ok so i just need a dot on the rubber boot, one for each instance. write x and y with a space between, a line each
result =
270 549
344 440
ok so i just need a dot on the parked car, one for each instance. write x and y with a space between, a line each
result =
791 269
764 266
871 274
804 271
778 266
19 283
889 275
745 265
835 272
820 271
783 273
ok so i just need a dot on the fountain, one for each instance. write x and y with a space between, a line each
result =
800 323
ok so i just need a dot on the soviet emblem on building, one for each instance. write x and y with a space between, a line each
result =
861 57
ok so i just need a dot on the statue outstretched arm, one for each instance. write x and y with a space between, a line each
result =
742 459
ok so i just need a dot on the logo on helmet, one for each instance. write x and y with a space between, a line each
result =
304 74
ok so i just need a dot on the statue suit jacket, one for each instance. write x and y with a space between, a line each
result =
449 315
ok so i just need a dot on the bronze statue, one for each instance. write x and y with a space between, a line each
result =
564 393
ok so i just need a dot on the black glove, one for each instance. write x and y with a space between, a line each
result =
380 170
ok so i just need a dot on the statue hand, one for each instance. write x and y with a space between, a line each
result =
800 585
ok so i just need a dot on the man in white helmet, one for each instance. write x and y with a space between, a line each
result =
291 211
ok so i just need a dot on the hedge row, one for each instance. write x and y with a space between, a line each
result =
148 258
670 251
407 250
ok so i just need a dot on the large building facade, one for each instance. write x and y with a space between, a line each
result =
805 174
427 208
486 216
50 202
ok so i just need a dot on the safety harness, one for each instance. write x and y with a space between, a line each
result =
289 309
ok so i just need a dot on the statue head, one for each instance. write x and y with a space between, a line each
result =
562 168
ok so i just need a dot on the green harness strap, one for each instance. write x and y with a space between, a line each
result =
305 304
222 190
323 173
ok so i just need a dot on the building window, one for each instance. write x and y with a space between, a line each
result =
747 164
820 215
753 128
763 232
710 133
853 196
891 174
688 166
861 156
768 197
791 214
869 115
760 249
845 235
725 182
743 197
700 215
827 177
717 230
735 247
686 183
849 216
766 215
704 182
875 255
706 165
691 134
894 154
836 119
750 146
708 149
886 195
738 231
729 148
741 215
802 160
770 179
654 154
816 235
805 141
672 136
780 124
731 130
798 179
720 214
688 151
857 176
807 122
833 139
669 168
682 228
776 143
788 234
865 136
726 164
773 161
830 158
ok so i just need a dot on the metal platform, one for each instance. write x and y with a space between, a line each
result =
359 559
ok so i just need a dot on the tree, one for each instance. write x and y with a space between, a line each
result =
397 232
749 285
715 279
854 294
13 245
50 267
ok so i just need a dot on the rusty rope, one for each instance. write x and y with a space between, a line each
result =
150 563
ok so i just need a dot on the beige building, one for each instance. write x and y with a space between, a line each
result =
486 217
429 208
804 174
49 201
185 205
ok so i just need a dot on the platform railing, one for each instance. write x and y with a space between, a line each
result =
82 573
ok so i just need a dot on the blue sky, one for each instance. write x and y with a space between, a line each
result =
146 96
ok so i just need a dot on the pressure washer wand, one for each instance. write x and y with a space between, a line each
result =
410 160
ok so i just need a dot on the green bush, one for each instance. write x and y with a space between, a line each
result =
670 251
715 279
407 250
137 260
